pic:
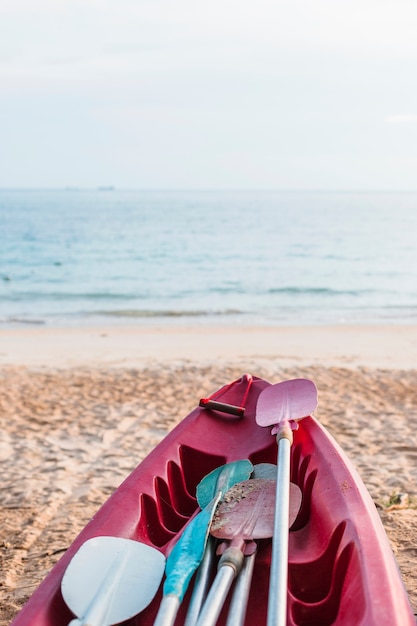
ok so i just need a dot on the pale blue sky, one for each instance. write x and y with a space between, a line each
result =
300 94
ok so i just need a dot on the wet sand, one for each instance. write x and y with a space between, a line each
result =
79 409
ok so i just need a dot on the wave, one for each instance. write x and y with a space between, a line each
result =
68 296
144 314
21 320
319 291
71 318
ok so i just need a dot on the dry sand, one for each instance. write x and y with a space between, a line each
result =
79 409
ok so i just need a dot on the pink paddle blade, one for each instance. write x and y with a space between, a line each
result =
248 510
286 401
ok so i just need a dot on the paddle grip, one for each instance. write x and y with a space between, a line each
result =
206 403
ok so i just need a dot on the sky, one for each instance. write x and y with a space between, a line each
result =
219 94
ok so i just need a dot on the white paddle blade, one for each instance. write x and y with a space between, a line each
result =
286 401
111 579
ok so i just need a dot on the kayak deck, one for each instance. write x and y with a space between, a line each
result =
341 567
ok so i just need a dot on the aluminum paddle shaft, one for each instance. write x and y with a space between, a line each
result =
229 566
240 597
168 610
277 602
201 584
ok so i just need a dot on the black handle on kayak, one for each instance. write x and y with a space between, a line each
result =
206 403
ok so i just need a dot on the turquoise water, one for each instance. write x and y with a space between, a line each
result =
215 257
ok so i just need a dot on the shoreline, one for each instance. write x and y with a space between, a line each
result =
376 346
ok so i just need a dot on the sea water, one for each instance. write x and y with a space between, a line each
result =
79 257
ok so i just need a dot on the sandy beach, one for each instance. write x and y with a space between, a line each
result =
80 408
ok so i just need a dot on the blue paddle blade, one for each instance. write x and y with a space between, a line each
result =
186 555
221 479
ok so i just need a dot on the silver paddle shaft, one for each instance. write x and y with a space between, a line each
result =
277 601
216 597
240 596
168 610
201 583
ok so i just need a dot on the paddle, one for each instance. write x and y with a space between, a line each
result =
188 552
282 405
247 513
111 579
204 492
240 596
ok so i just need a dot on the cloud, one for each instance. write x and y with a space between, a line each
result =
401 119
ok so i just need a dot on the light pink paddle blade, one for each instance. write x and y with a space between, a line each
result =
248 510
286 401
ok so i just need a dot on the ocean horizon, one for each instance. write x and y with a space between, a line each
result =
105 256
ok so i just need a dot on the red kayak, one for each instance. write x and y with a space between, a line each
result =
341 569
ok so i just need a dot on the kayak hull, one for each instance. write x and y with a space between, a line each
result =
341 567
